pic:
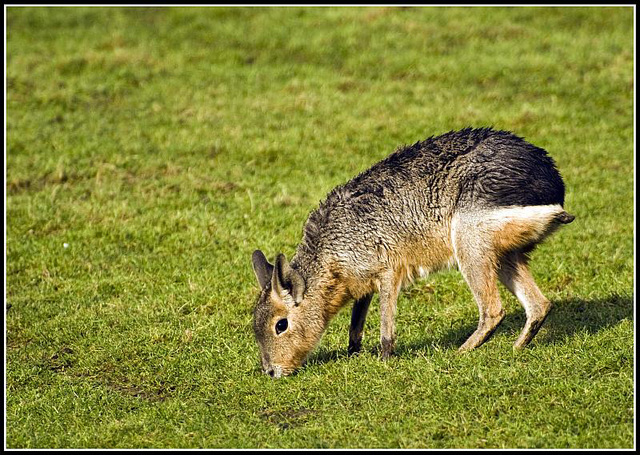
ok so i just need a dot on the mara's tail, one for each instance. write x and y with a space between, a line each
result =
565 218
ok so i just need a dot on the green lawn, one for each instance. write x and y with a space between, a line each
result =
163 145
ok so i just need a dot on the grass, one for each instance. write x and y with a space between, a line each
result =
163 145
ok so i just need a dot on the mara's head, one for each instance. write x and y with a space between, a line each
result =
284 321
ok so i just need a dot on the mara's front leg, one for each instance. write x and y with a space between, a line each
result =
389 290
358 316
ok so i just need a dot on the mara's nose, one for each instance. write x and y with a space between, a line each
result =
275 371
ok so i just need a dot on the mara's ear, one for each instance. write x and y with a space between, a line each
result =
261 268
287 280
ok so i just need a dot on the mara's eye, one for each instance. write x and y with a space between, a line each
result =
281 326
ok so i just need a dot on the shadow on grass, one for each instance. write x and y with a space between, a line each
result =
567 317
579 315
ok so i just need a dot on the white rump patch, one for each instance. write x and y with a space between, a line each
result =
541 213
494 219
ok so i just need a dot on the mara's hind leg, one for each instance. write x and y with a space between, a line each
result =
482 280
477 262
484 242
358 316
514 273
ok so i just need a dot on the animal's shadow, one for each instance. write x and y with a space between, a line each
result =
566 318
